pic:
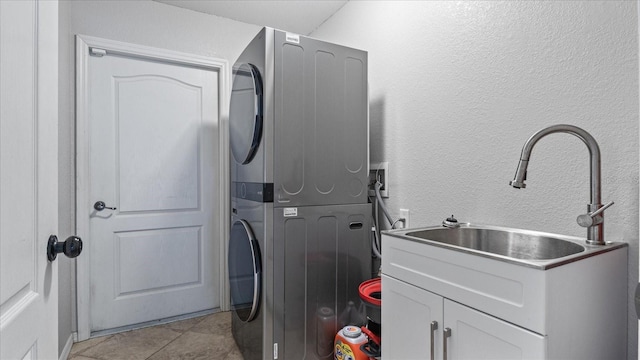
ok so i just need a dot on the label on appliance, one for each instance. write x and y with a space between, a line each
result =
290 212
292 38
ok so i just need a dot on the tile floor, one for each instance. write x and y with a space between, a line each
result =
205 337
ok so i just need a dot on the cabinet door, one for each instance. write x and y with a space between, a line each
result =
476 335
406 321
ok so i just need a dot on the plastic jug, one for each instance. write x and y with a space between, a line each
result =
348 342
351 316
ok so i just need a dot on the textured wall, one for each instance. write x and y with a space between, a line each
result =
457 87
140 22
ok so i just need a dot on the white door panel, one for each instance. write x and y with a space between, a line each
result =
152 157
407 317
475 335
161 171
28 179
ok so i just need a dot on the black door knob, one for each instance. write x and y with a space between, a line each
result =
100 205
71 247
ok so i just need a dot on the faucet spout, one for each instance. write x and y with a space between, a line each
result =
521 175
595 234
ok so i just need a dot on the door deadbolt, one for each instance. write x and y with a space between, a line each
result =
100 205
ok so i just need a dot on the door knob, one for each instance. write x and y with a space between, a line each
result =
71 247
100 205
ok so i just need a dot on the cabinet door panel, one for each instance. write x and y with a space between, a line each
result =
476 335
406 317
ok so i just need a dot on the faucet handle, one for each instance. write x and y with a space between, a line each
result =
590 219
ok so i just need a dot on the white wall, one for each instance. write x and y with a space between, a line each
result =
457 87
141 22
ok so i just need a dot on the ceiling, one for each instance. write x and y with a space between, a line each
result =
299 16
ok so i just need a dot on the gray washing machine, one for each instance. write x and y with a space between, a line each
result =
300 236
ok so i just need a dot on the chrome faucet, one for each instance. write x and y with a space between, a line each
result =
593 220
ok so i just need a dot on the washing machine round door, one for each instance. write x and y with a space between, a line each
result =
245 271
245 113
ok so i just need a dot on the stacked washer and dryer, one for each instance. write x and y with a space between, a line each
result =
300 229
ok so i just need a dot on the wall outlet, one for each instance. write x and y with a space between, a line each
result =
404 214
380 172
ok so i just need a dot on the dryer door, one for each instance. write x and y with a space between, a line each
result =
245 272
245 112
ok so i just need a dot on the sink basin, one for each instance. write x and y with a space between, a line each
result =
510 243
523 247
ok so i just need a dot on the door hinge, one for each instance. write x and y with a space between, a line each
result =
275 351
97 52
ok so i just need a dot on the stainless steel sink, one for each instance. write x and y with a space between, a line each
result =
524 247
502 242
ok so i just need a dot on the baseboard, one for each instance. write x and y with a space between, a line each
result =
67 347
153 322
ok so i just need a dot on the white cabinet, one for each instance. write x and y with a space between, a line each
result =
406 329
476 335
498 310
417 329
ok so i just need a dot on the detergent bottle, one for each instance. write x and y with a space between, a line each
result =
348 342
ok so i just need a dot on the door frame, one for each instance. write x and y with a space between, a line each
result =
221 66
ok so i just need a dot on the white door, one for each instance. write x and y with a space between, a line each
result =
411 318
28 179
476 335
152 142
